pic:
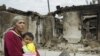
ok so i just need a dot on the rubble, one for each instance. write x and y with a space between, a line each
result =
64 53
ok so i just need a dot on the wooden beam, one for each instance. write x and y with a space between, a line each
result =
98 27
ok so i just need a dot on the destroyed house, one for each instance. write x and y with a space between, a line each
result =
80 21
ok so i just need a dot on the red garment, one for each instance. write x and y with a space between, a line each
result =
12 44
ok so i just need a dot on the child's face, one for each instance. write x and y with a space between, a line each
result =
27 39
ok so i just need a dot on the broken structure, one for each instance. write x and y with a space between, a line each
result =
68 24
81 22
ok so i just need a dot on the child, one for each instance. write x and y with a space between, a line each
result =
28 45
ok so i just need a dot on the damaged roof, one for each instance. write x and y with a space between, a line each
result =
95 7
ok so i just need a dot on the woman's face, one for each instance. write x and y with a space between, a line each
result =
20 25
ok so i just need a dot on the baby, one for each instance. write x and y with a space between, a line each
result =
28 45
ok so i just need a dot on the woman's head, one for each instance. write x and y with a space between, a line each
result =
18 23
28 37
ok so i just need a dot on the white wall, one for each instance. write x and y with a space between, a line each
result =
71 32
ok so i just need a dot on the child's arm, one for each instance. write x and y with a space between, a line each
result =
37 53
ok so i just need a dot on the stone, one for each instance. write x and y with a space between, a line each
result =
64 53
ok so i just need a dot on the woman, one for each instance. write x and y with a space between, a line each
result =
13 39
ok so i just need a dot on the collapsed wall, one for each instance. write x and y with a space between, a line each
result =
72 27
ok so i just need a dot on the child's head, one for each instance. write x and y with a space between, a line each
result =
28 37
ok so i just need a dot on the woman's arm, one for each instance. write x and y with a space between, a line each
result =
10 45
37 52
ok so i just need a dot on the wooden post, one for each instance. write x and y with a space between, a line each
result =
98 27
98 1
48 6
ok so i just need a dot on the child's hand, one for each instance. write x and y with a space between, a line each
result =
23 43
